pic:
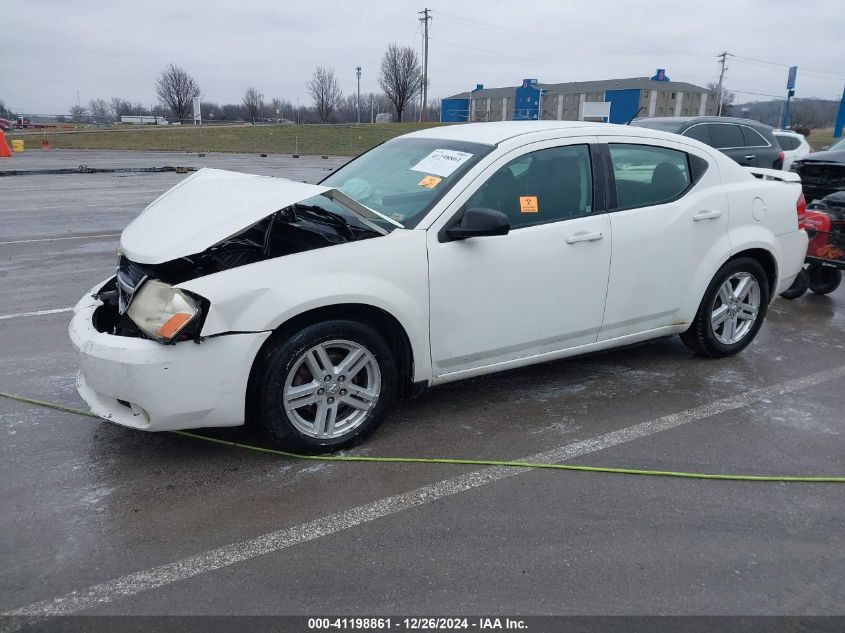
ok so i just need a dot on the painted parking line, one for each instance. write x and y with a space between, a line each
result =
36 313
58 239
234 553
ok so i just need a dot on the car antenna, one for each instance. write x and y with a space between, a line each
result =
640 109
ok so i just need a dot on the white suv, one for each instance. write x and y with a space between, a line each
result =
794 146
443 254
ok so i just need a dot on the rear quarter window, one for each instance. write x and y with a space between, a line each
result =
788 142
753 138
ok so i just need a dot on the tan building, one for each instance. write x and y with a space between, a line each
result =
621 99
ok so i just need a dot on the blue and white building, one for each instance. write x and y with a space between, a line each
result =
613 100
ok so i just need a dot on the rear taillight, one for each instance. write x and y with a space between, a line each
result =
781 155
801 210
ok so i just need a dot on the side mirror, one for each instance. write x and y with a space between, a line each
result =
478 222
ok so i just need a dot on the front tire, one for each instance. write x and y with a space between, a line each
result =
326 387
732 310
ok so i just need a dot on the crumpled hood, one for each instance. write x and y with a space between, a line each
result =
204 209
828 156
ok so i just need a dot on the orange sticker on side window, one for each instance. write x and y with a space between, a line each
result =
528 204
429 182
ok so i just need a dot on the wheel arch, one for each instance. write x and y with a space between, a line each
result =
379 319
767 260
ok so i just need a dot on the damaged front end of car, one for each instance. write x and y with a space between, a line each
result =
142 300
822 174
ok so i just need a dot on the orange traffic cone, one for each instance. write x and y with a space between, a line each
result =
5 152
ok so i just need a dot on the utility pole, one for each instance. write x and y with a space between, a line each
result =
723 58
425 19
358 102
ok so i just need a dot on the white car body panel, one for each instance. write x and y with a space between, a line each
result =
168 387
213 205
640 295
204 209
387 272
467 307
519 279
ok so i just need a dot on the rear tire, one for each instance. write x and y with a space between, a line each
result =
732 310
798 287
326 387
823 279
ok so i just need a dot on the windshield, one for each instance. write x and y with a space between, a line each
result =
405 177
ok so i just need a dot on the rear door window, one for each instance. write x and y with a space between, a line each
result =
646 175
726 135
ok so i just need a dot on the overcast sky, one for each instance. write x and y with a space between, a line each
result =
50 49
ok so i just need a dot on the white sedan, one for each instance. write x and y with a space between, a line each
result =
443 254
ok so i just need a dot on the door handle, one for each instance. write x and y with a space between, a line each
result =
584 237
751 157
706 215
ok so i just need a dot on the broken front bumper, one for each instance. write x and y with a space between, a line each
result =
153 387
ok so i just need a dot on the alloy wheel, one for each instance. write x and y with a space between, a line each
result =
331 389
735 308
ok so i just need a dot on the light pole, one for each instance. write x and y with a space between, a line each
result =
358 102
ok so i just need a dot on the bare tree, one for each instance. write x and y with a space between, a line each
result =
77 112
400 76
253 103
432 111
99 109
211 111
325 91
120 107
232 111
807 113
727 96
176 90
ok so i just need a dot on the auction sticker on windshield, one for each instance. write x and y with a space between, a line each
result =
429 182
442 162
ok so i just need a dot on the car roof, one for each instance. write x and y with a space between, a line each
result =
496 132
788 133
680 120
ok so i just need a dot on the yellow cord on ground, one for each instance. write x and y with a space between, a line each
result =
458 462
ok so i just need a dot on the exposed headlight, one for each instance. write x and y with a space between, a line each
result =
162 311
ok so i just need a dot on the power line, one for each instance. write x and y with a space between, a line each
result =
759 94
514 57
504 30
545 38
833 74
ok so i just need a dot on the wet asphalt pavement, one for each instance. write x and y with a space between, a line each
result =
85 503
